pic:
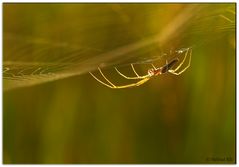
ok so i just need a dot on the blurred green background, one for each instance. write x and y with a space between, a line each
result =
73 119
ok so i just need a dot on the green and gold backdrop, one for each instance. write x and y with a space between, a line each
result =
54 112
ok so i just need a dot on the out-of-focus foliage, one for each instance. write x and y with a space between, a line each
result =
171 119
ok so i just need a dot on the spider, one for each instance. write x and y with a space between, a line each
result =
152 72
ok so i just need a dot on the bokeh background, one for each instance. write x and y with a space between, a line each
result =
54 112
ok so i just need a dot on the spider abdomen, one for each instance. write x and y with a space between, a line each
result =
168 66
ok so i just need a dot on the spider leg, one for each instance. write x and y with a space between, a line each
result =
142 81
132 66
137 75
125 75
105 77
153 66
182 60
173 71
112 86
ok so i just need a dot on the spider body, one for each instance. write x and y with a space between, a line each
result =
154 72
164 69
167 68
